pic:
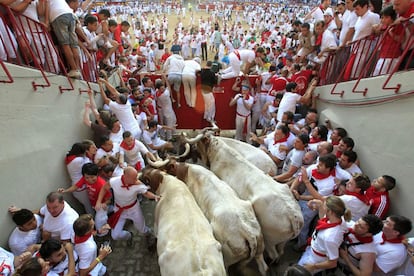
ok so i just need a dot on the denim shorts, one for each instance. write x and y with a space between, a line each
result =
175 80
64 29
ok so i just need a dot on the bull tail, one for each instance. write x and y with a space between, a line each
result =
256 246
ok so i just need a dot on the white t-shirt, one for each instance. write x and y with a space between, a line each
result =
354 169
389 255
87 252
152 138
275 148
288 103
58 8
356 206
123 196
134 155
191 67
125 116
240 108
60 227
75 168
325 186
363 25
294 158
19 241
349 19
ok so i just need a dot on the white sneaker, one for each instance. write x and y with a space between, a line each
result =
76 74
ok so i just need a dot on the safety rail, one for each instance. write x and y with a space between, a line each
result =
6 71
27 42
370 57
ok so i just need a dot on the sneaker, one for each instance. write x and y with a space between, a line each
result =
75 74
130 241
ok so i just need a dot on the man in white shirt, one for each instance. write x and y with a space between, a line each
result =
354 197
391 251
58 218
347 162
27 232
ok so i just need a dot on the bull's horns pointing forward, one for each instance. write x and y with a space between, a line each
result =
185 153
161 163
158 164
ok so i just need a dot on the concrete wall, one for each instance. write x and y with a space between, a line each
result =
383 132
37 128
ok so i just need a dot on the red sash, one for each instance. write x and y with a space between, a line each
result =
237 54
245 121
113 219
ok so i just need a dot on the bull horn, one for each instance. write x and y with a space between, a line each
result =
186 152
195 139
158 164
214 126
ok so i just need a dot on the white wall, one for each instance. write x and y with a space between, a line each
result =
383 133
36 131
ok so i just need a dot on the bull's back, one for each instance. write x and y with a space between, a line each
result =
252 154
233 220
272 202
186 245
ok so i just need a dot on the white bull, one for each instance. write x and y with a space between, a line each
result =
233 220
255 155
275 207
186 245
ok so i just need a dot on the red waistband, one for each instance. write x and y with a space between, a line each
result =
318 253
245 116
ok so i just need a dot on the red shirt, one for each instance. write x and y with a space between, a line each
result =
117 37
380 202
278 83
94 189
302 80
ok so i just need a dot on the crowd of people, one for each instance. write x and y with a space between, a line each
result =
284 47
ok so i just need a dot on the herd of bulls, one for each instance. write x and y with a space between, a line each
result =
209 219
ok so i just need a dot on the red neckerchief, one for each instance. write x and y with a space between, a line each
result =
158 93
334 143
281 140
247 97
69 159
314 140
82 239
359 238
322 8
338 153
324 224
319 176
398 239
318 41
123 183
361 197
125 146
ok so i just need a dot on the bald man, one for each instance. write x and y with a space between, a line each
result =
125 191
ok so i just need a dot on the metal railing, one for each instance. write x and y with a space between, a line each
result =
371 56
